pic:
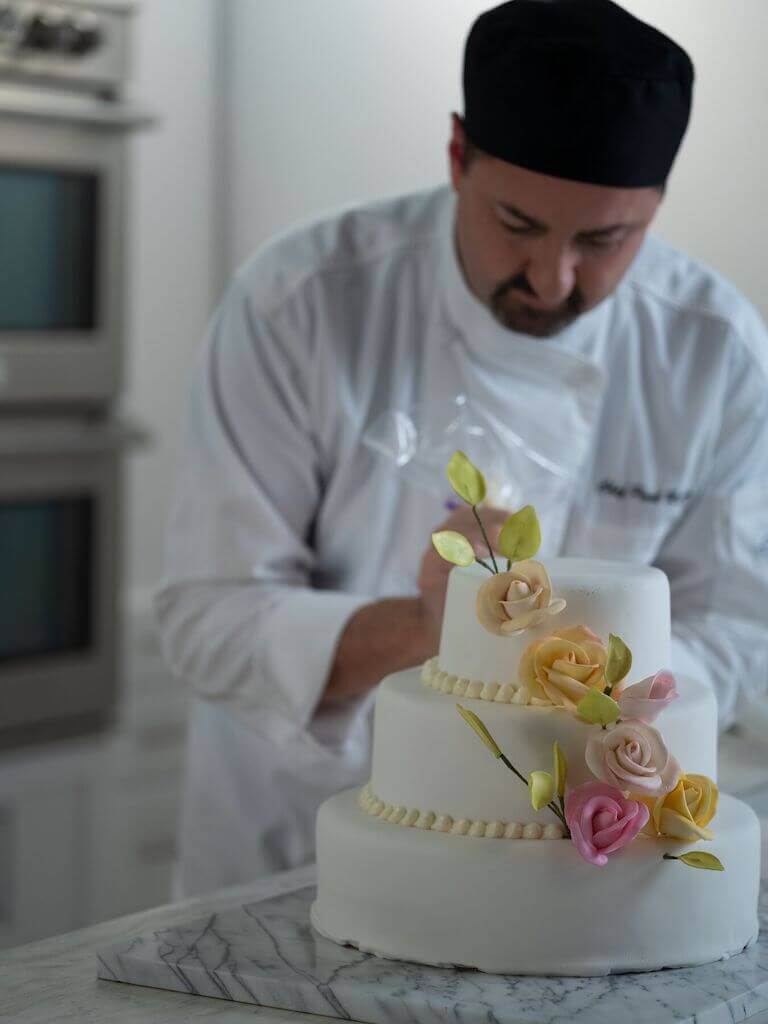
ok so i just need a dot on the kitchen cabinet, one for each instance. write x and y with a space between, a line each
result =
88 828
43 805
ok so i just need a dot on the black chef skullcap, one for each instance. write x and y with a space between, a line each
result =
577 89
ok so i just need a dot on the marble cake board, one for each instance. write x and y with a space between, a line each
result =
267 954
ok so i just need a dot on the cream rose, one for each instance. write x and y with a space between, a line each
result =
512 601
563 667
633 757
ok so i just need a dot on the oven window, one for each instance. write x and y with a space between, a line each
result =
46 553
48 242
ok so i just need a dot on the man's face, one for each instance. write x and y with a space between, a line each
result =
539 251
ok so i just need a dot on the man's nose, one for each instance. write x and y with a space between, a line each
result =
551 271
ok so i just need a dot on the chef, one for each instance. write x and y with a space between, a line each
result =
631 380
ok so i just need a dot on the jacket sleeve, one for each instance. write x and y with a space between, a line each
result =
237 613
716 557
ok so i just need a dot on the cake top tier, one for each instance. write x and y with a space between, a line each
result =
626 599
581 571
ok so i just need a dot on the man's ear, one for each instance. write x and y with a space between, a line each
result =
457 151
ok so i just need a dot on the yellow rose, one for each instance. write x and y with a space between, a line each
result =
685 812
563 667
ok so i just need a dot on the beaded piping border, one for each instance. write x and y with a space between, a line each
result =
508 693
429 821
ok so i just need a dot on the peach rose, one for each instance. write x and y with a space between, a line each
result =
633 757
646 699
563 667
512 601
685 812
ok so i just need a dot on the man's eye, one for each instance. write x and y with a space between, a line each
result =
515 230
602 243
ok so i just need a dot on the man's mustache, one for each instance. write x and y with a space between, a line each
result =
519 283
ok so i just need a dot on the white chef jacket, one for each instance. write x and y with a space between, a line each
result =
653 406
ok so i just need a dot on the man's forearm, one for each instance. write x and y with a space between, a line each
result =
380 638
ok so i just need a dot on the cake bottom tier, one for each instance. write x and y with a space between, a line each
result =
533 906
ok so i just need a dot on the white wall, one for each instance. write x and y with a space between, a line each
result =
337 101
716 208
173 253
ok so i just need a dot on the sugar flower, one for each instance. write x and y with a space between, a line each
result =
602 820
562 668
512 601
632 756
685 812
646 699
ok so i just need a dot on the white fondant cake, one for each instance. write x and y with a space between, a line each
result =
442 858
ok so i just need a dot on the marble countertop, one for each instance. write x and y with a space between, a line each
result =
55 980
266 953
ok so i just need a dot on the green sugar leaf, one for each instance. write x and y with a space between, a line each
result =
561 768
520 536
541 786
697 859
453 547
598 708
619 660
466 479
475 723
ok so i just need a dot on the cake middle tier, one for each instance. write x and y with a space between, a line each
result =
608 597
427 759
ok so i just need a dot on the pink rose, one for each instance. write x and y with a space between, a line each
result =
602 820
644 700
633 757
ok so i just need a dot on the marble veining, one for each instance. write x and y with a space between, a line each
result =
266 953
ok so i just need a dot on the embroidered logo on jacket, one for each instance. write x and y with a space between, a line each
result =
671 497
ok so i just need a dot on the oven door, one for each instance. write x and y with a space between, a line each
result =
59 541
61 253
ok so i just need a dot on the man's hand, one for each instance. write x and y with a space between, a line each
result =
433 575
400 632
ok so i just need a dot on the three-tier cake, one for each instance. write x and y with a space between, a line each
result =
606 848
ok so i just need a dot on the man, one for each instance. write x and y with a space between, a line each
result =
299 567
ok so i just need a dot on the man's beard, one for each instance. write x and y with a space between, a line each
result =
540 323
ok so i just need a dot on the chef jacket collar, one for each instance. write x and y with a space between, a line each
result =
568 367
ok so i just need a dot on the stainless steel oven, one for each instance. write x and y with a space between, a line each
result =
60 501
63 135
64 129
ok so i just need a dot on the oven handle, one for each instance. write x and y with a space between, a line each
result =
71 109
54 436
